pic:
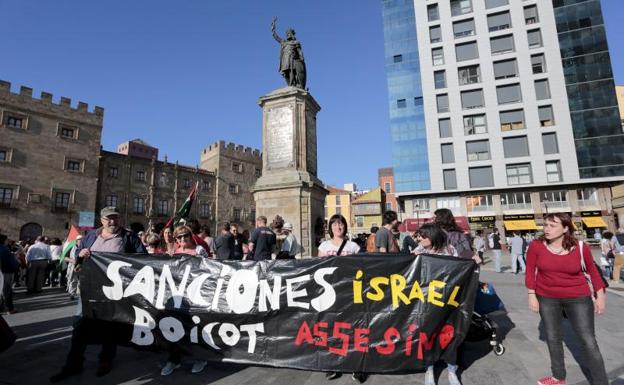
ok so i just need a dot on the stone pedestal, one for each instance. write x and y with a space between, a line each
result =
289 185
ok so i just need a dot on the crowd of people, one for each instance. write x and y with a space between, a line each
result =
557 267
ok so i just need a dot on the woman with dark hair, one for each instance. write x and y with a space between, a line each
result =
556 285
168 240
338 244
456 238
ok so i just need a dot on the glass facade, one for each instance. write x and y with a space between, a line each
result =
407 125
590 86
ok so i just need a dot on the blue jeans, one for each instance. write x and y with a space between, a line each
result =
580 313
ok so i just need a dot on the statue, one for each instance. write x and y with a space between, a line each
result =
292 65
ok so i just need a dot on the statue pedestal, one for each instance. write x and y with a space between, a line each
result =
289 185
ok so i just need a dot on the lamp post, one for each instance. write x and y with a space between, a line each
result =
417 206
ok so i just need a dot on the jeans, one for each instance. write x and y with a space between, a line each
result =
515 258
497 259
7 292
36 275
580 313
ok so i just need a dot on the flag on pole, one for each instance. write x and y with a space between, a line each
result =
70 242
184 211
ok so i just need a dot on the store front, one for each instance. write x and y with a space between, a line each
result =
593 222
486 223
522 223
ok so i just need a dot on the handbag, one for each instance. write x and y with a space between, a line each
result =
7 335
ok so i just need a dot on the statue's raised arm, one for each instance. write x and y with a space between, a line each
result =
275 35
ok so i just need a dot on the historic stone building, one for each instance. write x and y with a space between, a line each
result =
236 169
48 163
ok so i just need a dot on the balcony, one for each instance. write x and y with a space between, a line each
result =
517 206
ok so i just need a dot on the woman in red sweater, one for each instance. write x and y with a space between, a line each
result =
556 284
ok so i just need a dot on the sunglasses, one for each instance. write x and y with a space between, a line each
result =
182 236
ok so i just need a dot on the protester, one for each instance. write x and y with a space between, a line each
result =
72 274
606 248
495 246
456 238
384 238
433 239
262 240
112 238
290 246
370 241
204 233
225 243
516 253
154 244
479 243
195 227
54 268
338 240
245 244
9 266
409 244
37 257
556 285
237 242
168 240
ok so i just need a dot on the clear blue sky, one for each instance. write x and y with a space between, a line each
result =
184 74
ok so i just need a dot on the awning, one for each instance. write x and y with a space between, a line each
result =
521 224
594 222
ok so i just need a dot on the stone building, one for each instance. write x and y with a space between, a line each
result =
236 169
48 163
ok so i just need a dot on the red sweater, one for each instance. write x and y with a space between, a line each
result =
560 276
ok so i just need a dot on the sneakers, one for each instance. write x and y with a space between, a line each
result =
359 377
429 378
332 375
453 380
198 366
550 380
169 368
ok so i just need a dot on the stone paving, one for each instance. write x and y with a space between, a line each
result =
44 321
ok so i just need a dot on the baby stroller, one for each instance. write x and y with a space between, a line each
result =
481 326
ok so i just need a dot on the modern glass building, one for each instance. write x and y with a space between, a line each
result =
502 109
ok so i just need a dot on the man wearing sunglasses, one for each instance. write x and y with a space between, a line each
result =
111 237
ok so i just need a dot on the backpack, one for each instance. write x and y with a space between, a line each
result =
461 243
491 241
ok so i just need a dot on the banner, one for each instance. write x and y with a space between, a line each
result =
374 313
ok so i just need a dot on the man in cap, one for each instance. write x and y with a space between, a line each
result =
290 246
111 238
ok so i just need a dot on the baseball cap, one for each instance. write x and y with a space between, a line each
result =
108 211
287 226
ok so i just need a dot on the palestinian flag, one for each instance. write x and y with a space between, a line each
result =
184 211
70 242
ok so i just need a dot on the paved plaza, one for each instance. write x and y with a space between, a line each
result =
44 321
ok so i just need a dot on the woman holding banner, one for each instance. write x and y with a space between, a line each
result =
561 279
184 244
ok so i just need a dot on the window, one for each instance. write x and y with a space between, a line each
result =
387 189
515 146
542 89
6 195
478 150
556 198
204 210
338 196
460 7
163 207
481 176
509 94
258 173
475 124
73 165
432 12
236 214
435 34
111 200
359 221
388 207
464 28
538 63
499 21
206 185
61 201
535 38
505 69
113 172
512 120
472 99
68 132
140 176
448 203
5 155
397 58
443 103
437 55
553 171
439 78
34 198
519 174
444 126
252 214
479 203
339 210
450 180
237 167
469 75
421 204
516 200
401 103
550 143
546 116
502 44
530 14
495 3
138 205
587 195
418 101
447 153
187 183
15 121
466 51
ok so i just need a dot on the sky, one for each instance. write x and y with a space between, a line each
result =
184 74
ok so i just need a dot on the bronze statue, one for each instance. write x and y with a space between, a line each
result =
292 66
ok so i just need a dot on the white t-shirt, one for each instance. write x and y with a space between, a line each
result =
328 248
56 250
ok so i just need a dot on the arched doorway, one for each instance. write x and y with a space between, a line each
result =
30 231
